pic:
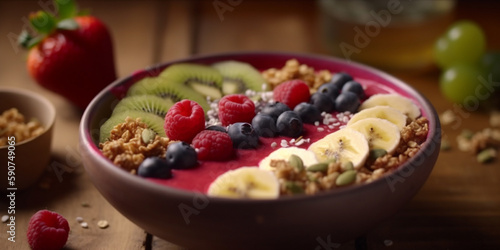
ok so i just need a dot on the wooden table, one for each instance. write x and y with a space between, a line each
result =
458 208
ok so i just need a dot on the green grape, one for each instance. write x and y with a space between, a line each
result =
463 43
459 82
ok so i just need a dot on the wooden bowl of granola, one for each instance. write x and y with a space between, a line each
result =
196 220
26 124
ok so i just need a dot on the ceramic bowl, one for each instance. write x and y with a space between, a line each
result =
30 157
196 221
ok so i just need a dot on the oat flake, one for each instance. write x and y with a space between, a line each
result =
102 224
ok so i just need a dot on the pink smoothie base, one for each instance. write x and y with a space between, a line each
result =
200 178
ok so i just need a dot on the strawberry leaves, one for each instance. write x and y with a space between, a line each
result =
45 23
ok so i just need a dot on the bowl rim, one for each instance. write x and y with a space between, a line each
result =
33 95
431 144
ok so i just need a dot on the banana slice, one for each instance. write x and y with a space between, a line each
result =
380 133
308 157
384 112
403 104
246 182
343 145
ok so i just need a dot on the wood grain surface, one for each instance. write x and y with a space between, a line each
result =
458 208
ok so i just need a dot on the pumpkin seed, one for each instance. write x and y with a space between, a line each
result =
376 153
346 178
318 167
296 162
148 135
486 155
294 187
347 165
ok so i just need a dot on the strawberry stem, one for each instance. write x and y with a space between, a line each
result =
43 22
65 8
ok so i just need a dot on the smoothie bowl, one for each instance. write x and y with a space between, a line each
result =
326 171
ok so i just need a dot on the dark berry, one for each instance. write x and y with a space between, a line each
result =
308 113
292 93
243 135
329 89
354 87
289 124
47 230
184 120
154 167
213 145
323 102
347 101
340 79
236 108
217 128
264 125
275 109
181 155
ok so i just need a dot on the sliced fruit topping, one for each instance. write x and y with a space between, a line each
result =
292 93
380 133
154 123
146 103
184 120
342 146
403 104
213 145
154 167
383 112
308 113
167 89
289 124
246 182
205 80
181 155
307 157
236 108
243 135
240 76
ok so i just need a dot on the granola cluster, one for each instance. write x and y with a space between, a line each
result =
127 146
13 123
294 180
294 70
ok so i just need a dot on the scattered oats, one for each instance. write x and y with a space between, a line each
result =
284 143
79 219
84 224
274 144
388 243
102 224
320 129
264 87
447 117
495 119
331 126
292 141
316 123
300 142
343 126
336 124
445 144
5 218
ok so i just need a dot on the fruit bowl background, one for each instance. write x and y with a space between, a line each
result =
194 220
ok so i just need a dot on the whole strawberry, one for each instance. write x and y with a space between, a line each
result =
72 55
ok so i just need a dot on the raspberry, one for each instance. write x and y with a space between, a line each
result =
236 108
213 145
47 230
184 120
292 93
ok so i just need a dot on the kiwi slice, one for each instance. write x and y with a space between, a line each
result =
203 79
239 76
146 103
154 122
167 89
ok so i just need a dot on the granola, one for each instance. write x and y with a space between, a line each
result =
13 123
294 70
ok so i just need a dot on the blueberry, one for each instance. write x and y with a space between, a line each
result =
289 124
217 128
308 112
322 102
275 109
329 89
340 79
181 155
264 125
355 87
347 101
154 167
243 135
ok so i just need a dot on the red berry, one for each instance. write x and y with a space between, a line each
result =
47 230
184 120
213 145
292 93
236 108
